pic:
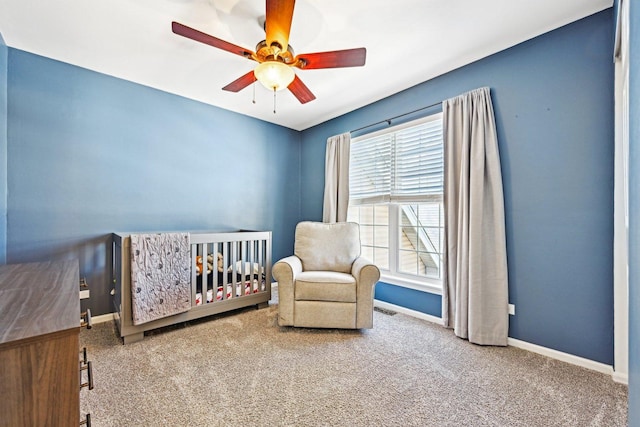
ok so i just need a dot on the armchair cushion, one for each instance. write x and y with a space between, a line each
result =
331 247
325 286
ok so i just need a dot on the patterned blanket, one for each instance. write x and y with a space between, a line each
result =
160 275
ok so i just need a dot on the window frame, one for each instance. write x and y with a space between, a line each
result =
393 276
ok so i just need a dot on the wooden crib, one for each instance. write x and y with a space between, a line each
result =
241 277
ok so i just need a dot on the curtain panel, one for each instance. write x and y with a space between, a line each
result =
336 179
475 284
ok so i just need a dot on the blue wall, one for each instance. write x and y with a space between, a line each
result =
553 99
412 299
634 218
3 150
91 154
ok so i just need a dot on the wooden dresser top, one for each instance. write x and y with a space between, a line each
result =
38 299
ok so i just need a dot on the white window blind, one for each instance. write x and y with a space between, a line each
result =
370 168
401 164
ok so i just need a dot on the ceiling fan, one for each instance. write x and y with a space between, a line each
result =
275 55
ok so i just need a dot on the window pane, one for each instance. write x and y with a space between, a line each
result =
431 261
381 213
381 258
430 239
432 265
381 236
366 214
408 215
366 235
420 239
367 252
408 262
429 214
409 238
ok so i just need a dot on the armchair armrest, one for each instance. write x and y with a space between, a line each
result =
365 272
287 269
366 275
285 272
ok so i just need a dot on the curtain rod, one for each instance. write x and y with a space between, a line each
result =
388 121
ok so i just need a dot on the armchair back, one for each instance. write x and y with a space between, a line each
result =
327 247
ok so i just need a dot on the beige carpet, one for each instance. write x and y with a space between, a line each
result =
241 369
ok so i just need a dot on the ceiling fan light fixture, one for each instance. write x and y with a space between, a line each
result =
274 75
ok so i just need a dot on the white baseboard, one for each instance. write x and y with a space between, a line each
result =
407 311
103 318
553 354
620 378
565 357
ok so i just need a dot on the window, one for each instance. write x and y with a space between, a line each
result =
396 195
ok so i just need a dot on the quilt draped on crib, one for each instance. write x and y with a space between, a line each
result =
160 275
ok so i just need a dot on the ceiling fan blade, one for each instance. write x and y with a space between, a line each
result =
191 33
241 83
333 59
301 91
278 22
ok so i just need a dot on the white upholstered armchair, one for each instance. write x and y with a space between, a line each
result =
326 284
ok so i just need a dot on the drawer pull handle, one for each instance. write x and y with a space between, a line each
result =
86 319
84 355
86 421
83 283
86 367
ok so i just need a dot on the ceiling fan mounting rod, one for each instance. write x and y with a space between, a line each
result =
276 47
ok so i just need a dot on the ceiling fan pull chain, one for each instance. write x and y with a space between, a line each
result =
254 92
274 100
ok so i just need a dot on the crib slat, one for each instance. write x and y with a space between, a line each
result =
214 289
234 259
205 274
252 261
255 263
242 256
240 268
260 253
267 264
194 278
225 261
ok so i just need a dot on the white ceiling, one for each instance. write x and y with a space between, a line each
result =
407 41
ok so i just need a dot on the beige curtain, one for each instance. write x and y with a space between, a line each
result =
336 179
475 293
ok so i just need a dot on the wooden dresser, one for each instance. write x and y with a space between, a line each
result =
39 344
